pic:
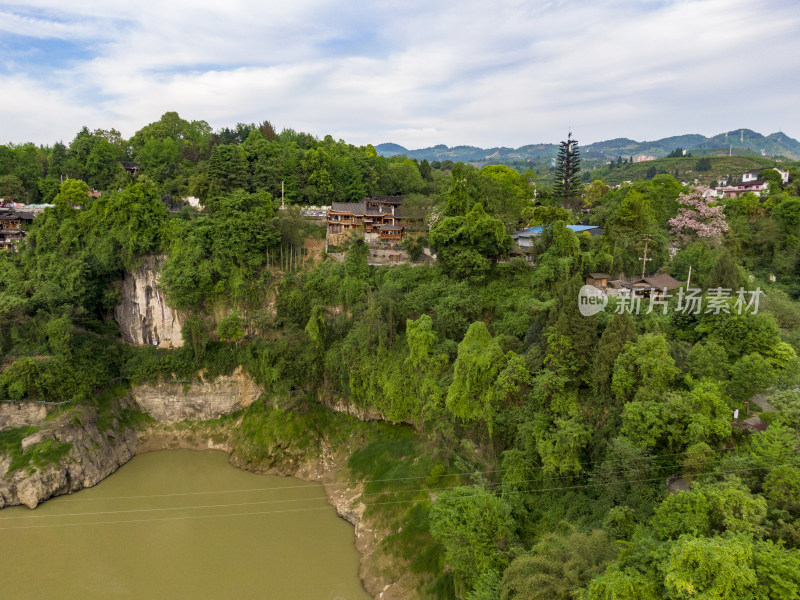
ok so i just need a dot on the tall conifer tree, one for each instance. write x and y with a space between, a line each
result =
568 165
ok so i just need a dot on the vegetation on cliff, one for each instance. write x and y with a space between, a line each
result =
533 443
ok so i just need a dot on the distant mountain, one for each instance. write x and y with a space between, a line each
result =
390 149
739 142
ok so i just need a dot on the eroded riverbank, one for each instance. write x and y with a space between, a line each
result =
182 524
118 443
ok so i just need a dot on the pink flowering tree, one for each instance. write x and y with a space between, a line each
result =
698 217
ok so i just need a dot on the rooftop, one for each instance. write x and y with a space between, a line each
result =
658 281
534 231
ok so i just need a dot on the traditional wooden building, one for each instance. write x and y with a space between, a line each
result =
598 280
371 214
391 233
11 221
656 285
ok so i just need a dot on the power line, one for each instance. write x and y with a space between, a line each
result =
373 481
390 502
325 497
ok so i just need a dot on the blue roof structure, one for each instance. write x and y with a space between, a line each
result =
534 231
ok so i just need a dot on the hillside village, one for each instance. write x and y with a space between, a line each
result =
535 365
433 301
383 223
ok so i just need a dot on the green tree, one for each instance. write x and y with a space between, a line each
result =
477 366
424 367
102 165
629 584
782 487
777 570
463 243
74 192
425 170
708 360
750 375
726 506
644 370
619 332
476 528
595 192
773 177
725 272
315 328
11 188
719 568
231 328
703 164
567 187
195 335
558 566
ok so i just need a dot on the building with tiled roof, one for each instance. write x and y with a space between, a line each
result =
378 216
11 221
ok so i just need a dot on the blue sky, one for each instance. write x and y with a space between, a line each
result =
416 73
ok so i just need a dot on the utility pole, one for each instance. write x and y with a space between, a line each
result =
644 259
283 201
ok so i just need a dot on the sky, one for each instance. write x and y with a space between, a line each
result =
503 73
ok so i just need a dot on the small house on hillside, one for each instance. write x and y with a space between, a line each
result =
131 167
740 189
598 280
525 238
652 285
655 285
754 174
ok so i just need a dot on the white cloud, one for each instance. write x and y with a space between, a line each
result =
415 73
30 111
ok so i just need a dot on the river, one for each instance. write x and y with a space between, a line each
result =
181 524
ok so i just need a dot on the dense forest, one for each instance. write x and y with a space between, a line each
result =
534 444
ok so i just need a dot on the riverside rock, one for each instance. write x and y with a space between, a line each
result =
92 456
171 402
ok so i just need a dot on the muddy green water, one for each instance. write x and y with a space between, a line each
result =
181 524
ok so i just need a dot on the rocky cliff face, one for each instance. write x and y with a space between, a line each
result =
347 407
197 401
20 414
93 456
143 316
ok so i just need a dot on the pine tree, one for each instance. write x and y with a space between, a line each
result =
237 170
216 173
568 165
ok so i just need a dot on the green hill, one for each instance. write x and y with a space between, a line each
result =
683 169
740 142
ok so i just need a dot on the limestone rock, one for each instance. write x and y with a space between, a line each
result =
202 400
35 439
93 456
342 405
143 316
20 414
